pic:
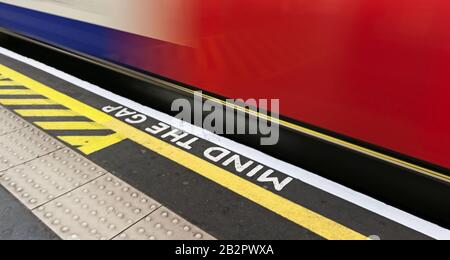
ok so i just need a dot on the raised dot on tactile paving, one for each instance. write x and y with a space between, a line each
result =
64 229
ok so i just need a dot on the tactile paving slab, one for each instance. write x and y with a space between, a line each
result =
46 178
24 145
19 223
9 122
163 224
99 210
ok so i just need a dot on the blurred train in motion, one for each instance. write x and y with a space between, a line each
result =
375 71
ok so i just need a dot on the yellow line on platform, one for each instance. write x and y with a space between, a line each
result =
45 112
7 83
27 102
92 144
70 125
17 92
296 213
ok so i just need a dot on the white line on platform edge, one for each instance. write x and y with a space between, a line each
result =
338 190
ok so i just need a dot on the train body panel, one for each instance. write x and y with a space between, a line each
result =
376 71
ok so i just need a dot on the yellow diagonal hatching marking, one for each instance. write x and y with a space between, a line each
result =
45 112
70 125
27 102
11 102
17 92
92 144
298 214
7 83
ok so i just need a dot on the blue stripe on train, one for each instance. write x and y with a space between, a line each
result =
68 33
